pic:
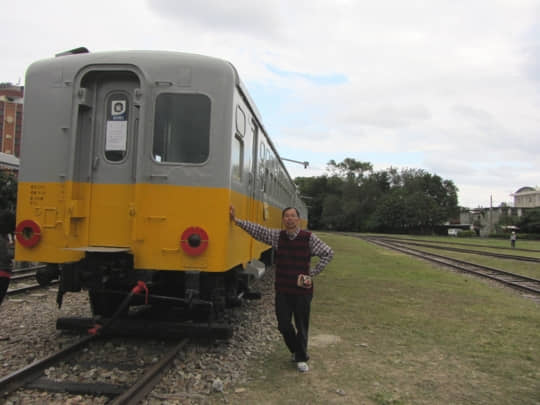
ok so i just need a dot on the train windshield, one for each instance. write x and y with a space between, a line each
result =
182 128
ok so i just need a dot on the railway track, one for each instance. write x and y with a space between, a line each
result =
465 244
21 274
515 281
32 377
461 250
26 271
19 290
26 276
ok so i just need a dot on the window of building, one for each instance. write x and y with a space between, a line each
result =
182 128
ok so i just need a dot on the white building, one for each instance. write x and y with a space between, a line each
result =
527 197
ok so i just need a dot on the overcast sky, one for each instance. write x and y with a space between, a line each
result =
451 87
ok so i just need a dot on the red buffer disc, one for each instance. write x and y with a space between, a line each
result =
28 233
194 241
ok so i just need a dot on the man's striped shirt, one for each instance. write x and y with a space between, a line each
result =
271 237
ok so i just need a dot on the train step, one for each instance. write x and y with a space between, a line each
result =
256 268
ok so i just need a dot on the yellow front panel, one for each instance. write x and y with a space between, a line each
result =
45 204
111 213
149 220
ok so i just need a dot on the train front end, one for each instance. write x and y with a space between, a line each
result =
124 179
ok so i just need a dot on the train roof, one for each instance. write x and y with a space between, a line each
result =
72 61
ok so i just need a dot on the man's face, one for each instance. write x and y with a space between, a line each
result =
290 219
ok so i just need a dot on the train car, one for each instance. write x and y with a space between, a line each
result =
130 161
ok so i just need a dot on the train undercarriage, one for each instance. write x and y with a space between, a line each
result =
118 292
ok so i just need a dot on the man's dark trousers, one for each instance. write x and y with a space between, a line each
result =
297 306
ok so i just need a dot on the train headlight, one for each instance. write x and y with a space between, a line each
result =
194 241
28 233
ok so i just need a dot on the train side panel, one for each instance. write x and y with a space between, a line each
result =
130 162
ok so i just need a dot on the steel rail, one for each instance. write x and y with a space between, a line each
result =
132 395
150 379
22 277
30 288
476 252
481 270
461 244
19 378
27 269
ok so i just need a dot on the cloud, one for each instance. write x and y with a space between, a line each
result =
439 85
320 80
387 115
451 87
244 17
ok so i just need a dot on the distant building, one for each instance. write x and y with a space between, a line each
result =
11 114
527 197
484 221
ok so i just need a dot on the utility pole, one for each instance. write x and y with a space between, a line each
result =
490 214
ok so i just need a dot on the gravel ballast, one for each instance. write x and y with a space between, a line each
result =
201 370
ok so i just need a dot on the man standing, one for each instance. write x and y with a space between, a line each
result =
293 249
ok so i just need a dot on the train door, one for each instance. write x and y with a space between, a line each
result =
113 158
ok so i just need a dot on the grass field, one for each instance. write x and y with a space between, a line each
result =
529 269
388 329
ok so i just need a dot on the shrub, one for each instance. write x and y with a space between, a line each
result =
466 234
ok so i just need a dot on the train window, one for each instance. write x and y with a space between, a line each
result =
237 157
271 185
262 155
116 131
240 121
182 128
265 181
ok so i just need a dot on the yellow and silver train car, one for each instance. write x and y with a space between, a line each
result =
130 161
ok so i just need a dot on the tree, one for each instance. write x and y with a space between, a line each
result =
530 221
350 169
389 215
313 190
8 202
8 191
441 195
355 198
333 216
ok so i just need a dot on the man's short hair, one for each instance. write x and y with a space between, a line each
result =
290 208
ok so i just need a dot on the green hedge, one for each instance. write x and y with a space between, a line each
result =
466 234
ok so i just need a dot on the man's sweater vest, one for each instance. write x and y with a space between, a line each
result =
292 259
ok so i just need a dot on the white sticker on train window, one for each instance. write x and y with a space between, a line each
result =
116 137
